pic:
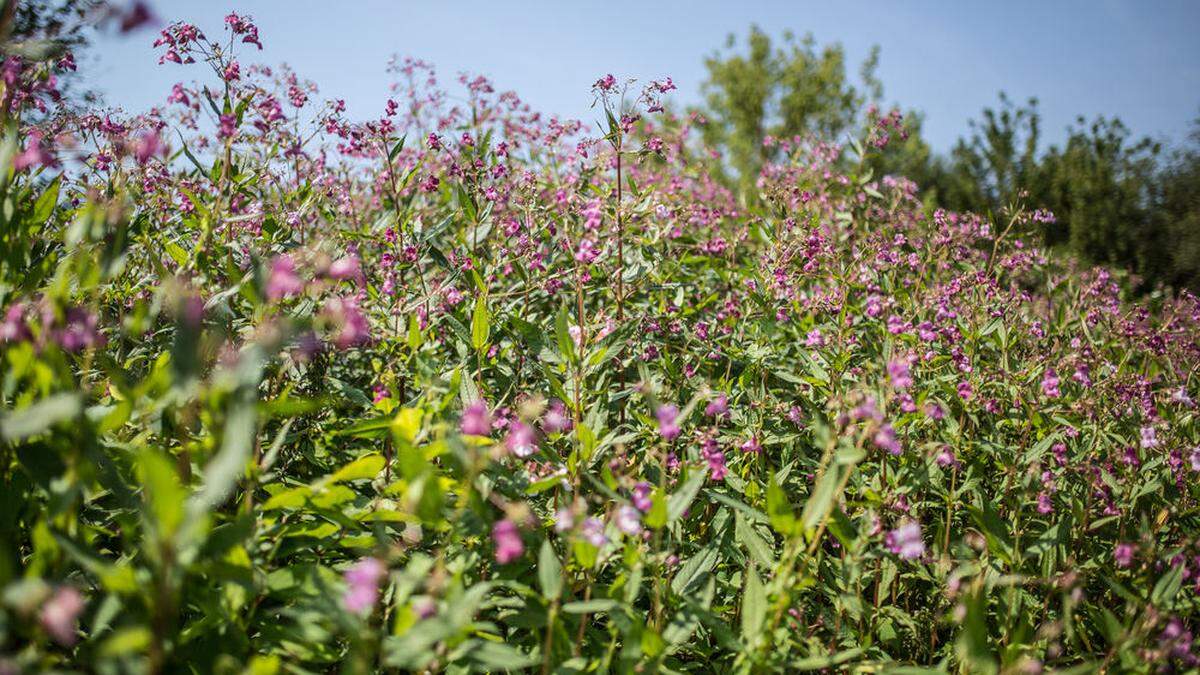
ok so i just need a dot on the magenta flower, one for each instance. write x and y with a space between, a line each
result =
283 282
520 440
476 420
885 439
60 613
346 268
752 446
718 407
899 375
628 520
1050 383
362 585
506 540
350 323
1149 437
556 420
905 541
1123 554
641 496
667 416
593 532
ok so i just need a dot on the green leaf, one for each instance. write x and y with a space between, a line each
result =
759 550
779 509
1167 587
590 606
367 466
480 324
684 496
549 572
40 416
754 605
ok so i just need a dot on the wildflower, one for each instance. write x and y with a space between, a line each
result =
424 607
520 440
1050 383
1044 503
362 585
752 446
814 338
718 407
1149 437
556 420
716 461
507 541
476 420
885 439
593 532
965 392
898 374
1123 554
283 281
351 324
346 268
946 458
59 614
1195 459
641 496
227 127
36 153
628 520
13 328
148 146
668 427
905 541
80 331
564 519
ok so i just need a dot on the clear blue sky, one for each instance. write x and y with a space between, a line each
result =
1136 60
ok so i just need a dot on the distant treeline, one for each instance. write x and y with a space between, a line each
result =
1119 200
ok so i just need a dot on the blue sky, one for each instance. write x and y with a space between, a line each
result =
1136 60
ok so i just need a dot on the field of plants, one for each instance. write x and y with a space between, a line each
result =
469 388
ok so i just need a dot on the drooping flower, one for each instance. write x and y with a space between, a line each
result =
885 439
668 426
59 614
362 585
520 440
476 420
718 407
283 282
898 374
1050 383
641 496
506 539
905 541
1149 437
593 532
556 420
628 520
1123 554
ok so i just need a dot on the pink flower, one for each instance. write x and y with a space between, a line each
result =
520 440
283 281
476 420
1050 383
556 420
1123 554
641 496
346 268
628 520
905 541
362 585
814 338
885 439
148 146
718 407
506 540
899 375
667 415
752 446
60 613
36 153
350 323
593 532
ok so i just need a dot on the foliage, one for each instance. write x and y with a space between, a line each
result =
459 389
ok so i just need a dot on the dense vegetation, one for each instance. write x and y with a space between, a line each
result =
460 388
1119 200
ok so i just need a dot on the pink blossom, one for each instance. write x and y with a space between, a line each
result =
362 585
476 420
59 614
506 540
905 541
668 427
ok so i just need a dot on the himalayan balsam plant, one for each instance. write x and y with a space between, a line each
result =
469 388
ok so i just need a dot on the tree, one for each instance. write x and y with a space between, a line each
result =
785 91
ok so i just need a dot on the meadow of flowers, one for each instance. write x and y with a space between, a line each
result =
469 388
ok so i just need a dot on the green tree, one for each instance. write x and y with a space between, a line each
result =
793 89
